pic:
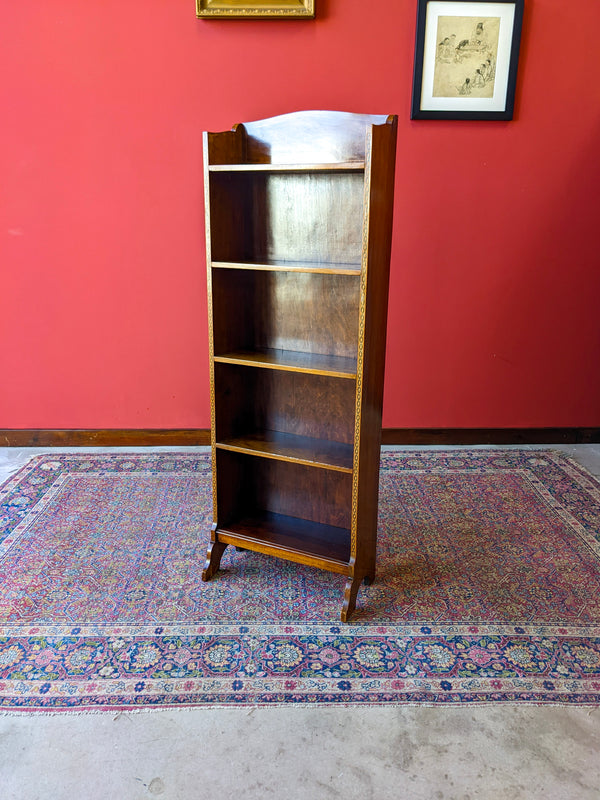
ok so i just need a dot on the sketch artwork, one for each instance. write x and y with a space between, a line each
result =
465 60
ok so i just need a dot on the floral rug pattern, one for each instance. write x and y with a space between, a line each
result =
487 590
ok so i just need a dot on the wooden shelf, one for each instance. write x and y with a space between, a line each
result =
314 363
291 266
291 538
341 166
290 447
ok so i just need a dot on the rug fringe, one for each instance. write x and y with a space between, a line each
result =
247 710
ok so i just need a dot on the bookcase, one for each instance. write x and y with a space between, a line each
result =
298 231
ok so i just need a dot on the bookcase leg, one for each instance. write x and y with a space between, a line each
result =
351 591
213 559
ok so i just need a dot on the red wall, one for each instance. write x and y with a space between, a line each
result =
494 310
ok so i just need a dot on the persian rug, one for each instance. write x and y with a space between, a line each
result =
487 591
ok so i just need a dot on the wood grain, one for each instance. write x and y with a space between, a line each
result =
312 216
293 361
253 401
290 447
300 540
305 313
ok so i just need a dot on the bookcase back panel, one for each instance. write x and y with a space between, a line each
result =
304 492
250 400
294 217
285 311
310 217
263 485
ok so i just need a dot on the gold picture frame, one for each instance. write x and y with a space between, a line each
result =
258 9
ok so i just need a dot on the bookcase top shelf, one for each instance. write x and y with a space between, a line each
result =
340 166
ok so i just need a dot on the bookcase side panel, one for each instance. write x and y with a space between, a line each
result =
234 303
379 191
226 147
218 148
236 488
235 203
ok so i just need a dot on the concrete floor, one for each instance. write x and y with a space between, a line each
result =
463 753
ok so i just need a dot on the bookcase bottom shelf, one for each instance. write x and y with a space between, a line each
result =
290 538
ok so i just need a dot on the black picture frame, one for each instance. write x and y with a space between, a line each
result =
452 39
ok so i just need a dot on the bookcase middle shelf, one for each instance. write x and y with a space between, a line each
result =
291 447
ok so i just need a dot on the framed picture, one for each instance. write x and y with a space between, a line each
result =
466 57
254 9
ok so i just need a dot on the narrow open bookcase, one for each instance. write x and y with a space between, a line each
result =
298 229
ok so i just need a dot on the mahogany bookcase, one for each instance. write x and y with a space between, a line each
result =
298 229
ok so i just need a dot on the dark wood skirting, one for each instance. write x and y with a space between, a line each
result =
200 436
478 436
104 438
